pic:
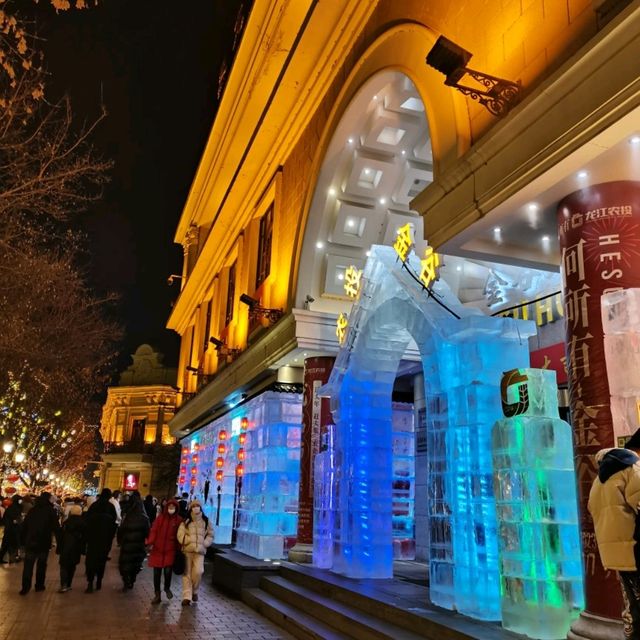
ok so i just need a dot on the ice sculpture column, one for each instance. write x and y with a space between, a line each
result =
599 234
542 589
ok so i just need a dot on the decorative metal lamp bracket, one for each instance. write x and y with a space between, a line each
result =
499 97
272 315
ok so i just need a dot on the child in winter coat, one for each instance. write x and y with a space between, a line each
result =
71 543
195 535
163 539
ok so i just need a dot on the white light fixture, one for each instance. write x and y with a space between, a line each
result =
458 268
19 457
375 97
582 174
634 140
545 238
497 229
351 223
341 276
368 254
332 191
403 152
350 140
304 354
367 171
532 207
382 201
319 245
7 447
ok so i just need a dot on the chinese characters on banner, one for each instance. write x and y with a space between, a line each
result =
315 418
599 229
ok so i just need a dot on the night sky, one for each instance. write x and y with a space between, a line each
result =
154 65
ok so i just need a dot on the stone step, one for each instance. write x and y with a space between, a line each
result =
297 623
353 622
415 614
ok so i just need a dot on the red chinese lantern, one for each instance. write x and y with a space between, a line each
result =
220 463
194 482
242 437
10 490
185 451
244 423
222 435
13 477
182 480
183 470
194 470
240 454
196 447
219 475
239 470
185 460
195 459
222 449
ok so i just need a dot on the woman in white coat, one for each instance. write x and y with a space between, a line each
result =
195 535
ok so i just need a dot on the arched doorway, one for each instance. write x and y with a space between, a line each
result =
463 354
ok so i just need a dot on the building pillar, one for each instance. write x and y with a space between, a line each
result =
315 416
599 229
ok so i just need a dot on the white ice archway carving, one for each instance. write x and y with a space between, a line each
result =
463 359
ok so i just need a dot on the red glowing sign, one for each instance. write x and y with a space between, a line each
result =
131 481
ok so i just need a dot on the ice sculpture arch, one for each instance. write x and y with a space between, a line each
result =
463 360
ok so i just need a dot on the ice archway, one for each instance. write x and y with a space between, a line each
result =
463 360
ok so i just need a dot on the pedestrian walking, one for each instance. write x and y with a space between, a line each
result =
150 508
195 535
163 540
71 545
115 501
613 503
12 521
100 520
39 526
184 505
132 533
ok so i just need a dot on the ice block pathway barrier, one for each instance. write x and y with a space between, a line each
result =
463 360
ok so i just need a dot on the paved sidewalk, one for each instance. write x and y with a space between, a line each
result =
112 615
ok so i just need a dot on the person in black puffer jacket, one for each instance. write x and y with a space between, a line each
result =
132 534
100 522
71 546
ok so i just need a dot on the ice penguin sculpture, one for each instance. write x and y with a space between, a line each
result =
537 511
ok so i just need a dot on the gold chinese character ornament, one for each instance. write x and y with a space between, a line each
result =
352 278
341 328
404 242
430 264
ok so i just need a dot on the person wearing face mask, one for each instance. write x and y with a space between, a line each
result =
195 535
163 540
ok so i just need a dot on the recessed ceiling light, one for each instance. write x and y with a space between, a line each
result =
403 152
304 354
367 171
545 238
332 191
350 140
341 276
368 253
532 207
295 359
497 229
351 223
458 268
319 245
383 200
582 174
635 140
375 97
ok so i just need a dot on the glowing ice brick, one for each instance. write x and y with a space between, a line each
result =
535 489
620 311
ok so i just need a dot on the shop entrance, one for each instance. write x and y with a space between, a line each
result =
463 354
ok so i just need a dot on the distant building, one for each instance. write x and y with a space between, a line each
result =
139 451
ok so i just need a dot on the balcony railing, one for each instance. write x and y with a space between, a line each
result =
133 446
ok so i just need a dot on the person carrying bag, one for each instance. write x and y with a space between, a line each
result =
195 535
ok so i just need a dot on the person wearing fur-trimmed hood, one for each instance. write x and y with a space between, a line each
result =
195 535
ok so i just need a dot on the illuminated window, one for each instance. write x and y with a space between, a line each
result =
138 429
150 434
231 293
264 247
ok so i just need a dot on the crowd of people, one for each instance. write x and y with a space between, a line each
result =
173 534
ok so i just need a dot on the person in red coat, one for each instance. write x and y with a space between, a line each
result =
163 541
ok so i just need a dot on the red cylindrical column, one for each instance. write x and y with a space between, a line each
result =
315 416
599 230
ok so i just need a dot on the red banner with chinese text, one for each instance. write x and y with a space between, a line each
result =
552 357
599 229
315 417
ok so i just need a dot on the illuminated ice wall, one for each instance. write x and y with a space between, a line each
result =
542 588
245 467
462 359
